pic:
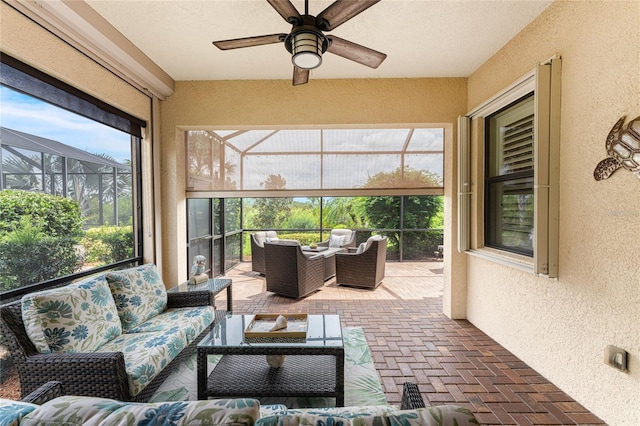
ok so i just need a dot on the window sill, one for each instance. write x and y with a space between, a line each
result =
511 260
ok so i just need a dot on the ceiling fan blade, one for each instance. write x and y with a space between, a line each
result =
300 76
340 12
355 52
249 41
286 10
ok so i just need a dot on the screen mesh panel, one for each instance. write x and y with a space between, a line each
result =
325 159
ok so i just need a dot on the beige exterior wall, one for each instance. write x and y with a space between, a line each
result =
35 46
561 327
321 102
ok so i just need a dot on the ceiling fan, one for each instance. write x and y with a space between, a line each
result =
307 42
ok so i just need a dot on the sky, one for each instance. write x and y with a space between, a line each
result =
30 115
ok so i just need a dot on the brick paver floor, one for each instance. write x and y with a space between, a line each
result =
412 340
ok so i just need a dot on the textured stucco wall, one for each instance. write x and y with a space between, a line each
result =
561 327
278 103
24 40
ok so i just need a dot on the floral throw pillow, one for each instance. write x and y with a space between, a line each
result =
79 317
139 294
11 412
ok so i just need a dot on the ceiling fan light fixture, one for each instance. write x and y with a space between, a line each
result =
307 49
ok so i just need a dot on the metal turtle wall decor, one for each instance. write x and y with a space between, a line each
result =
623 150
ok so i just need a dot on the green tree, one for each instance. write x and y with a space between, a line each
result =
341 212
419 211
301 219
272 212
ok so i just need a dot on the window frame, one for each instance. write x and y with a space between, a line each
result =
544 83
33 82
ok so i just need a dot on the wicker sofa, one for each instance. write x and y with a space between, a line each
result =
116 335
47 405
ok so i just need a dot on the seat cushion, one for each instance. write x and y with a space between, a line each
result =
373 416
146 354
371 239
79 317
149 347
139 294
192 320
265 236
78 410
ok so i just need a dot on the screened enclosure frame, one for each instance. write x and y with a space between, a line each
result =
327 161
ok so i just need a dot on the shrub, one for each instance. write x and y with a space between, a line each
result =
29 255
58 216
38 234
108 244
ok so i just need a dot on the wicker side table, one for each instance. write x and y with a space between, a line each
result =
214 286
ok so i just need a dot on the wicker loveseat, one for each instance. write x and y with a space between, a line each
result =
49 406
116 335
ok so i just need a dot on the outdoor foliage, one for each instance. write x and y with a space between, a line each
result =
270 212
108 244
419 212
38 234
58 216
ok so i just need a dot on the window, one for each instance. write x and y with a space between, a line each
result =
508 174
509 178
68 186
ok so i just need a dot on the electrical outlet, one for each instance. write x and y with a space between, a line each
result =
615 357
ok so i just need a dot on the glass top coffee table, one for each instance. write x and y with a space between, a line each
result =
313 366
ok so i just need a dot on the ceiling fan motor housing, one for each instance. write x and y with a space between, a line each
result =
296 42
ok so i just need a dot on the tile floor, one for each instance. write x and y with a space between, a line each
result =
412 340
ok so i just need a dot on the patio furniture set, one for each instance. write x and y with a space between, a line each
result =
295 271
112 339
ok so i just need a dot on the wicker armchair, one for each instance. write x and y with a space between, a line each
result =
291 273
257 249
349 238
100 374
364 268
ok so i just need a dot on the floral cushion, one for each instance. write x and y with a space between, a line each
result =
79 317
139 294
193 320
373 416
78 410
146 354
11 412
150 347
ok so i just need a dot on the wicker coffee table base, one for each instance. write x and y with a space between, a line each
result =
300 375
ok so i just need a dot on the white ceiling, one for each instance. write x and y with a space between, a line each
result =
422 38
